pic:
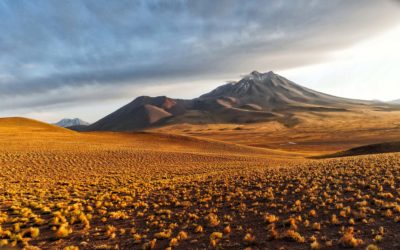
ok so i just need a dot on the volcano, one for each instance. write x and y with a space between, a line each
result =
257 97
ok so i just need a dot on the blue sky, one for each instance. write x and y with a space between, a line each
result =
86 58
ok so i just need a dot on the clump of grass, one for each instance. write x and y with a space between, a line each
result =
71 248
316 226
3 242
378 238
150 245
227 229
182 235
348 239
272 233
63 231
34 232
212 220
111 232
137 238
334 220
315 245
372 247
292 235
249 239
215 237
198 229
163 235
119 215
270 218
174 242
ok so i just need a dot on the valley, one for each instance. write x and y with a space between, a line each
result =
316 132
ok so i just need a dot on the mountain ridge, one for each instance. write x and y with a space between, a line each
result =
256 97
395 101
67 122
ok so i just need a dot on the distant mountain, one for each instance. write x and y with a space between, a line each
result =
255 98
66 122
395 101
143 112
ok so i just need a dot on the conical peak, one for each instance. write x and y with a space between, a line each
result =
255 73
260 76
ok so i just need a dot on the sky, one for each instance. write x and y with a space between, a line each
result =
87 58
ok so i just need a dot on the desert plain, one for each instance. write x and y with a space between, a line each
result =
215 186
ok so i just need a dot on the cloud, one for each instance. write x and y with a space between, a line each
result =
56 52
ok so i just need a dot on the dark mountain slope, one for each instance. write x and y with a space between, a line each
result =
380 148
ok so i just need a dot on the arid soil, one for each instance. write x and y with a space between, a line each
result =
102 190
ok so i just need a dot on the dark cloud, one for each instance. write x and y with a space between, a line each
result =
48 46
